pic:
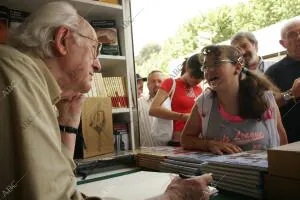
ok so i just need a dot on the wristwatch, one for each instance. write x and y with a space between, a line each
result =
287 96
68 129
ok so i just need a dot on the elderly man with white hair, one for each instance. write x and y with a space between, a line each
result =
44 70
286 74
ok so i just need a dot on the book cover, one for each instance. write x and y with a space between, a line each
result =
256 159
107 34
120 131
194 157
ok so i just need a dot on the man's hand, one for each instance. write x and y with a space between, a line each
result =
195 188
69 109
296 88
219 147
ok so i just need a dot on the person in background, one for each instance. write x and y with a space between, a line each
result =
155 79
47 66
185 93
286 75
248 45
140 85
242 113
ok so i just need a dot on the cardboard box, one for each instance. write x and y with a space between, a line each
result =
284 161
281 188
97 126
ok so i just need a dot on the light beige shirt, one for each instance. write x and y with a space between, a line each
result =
145 121
35 165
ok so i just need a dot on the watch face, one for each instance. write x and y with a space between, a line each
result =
287 96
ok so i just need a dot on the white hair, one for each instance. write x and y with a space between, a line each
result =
36 33
289 24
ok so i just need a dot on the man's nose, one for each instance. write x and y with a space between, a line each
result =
97 65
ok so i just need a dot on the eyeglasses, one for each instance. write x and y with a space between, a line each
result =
292 35
216 64
97 48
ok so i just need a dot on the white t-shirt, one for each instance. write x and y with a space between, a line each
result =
145 121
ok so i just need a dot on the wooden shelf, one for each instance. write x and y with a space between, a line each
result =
120 110
112 61
112 65
87 8
111 57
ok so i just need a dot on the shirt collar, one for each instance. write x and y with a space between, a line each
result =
261 64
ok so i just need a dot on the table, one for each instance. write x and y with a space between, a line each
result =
133 183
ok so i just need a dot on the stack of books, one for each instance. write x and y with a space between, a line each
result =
121 132
189 163
98 87
116 90
113 87
151 157
107 34
241 173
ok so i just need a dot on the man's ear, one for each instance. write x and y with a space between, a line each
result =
60 40
283 43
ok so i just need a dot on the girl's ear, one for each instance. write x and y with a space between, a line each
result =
239 65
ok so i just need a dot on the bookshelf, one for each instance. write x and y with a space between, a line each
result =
121 65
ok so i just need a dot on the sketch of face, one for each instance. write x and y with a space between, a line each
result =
97 121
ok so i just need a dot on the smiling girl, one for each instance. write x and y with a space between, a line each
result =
238 112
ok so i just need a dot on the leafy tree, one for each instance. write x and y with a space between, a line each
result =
222 23
146 52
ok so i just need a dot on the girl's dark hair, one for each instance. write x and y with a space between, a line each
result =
183 68
252 85
193 64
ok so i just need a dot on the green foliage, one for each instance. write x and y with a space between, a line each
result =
146 53
222 23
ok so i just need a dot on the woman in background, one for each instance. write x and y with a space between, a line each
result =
239 111
184 96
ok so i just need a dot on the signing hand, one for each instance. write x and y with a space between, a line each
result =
195 188
218 147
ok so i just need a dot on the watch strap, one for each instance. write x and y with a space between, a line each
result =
68 129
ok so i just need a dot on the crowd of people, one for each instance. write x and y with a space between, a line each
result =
250 103
241 109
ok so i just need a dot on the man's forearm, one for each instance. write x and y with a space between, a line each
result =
279 99
68 138
69 141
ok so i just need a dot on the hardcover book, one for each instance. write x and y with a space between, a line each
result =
256 159
107 34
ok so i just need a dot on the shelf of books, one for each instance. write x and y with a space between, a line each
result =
111 20
87 8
